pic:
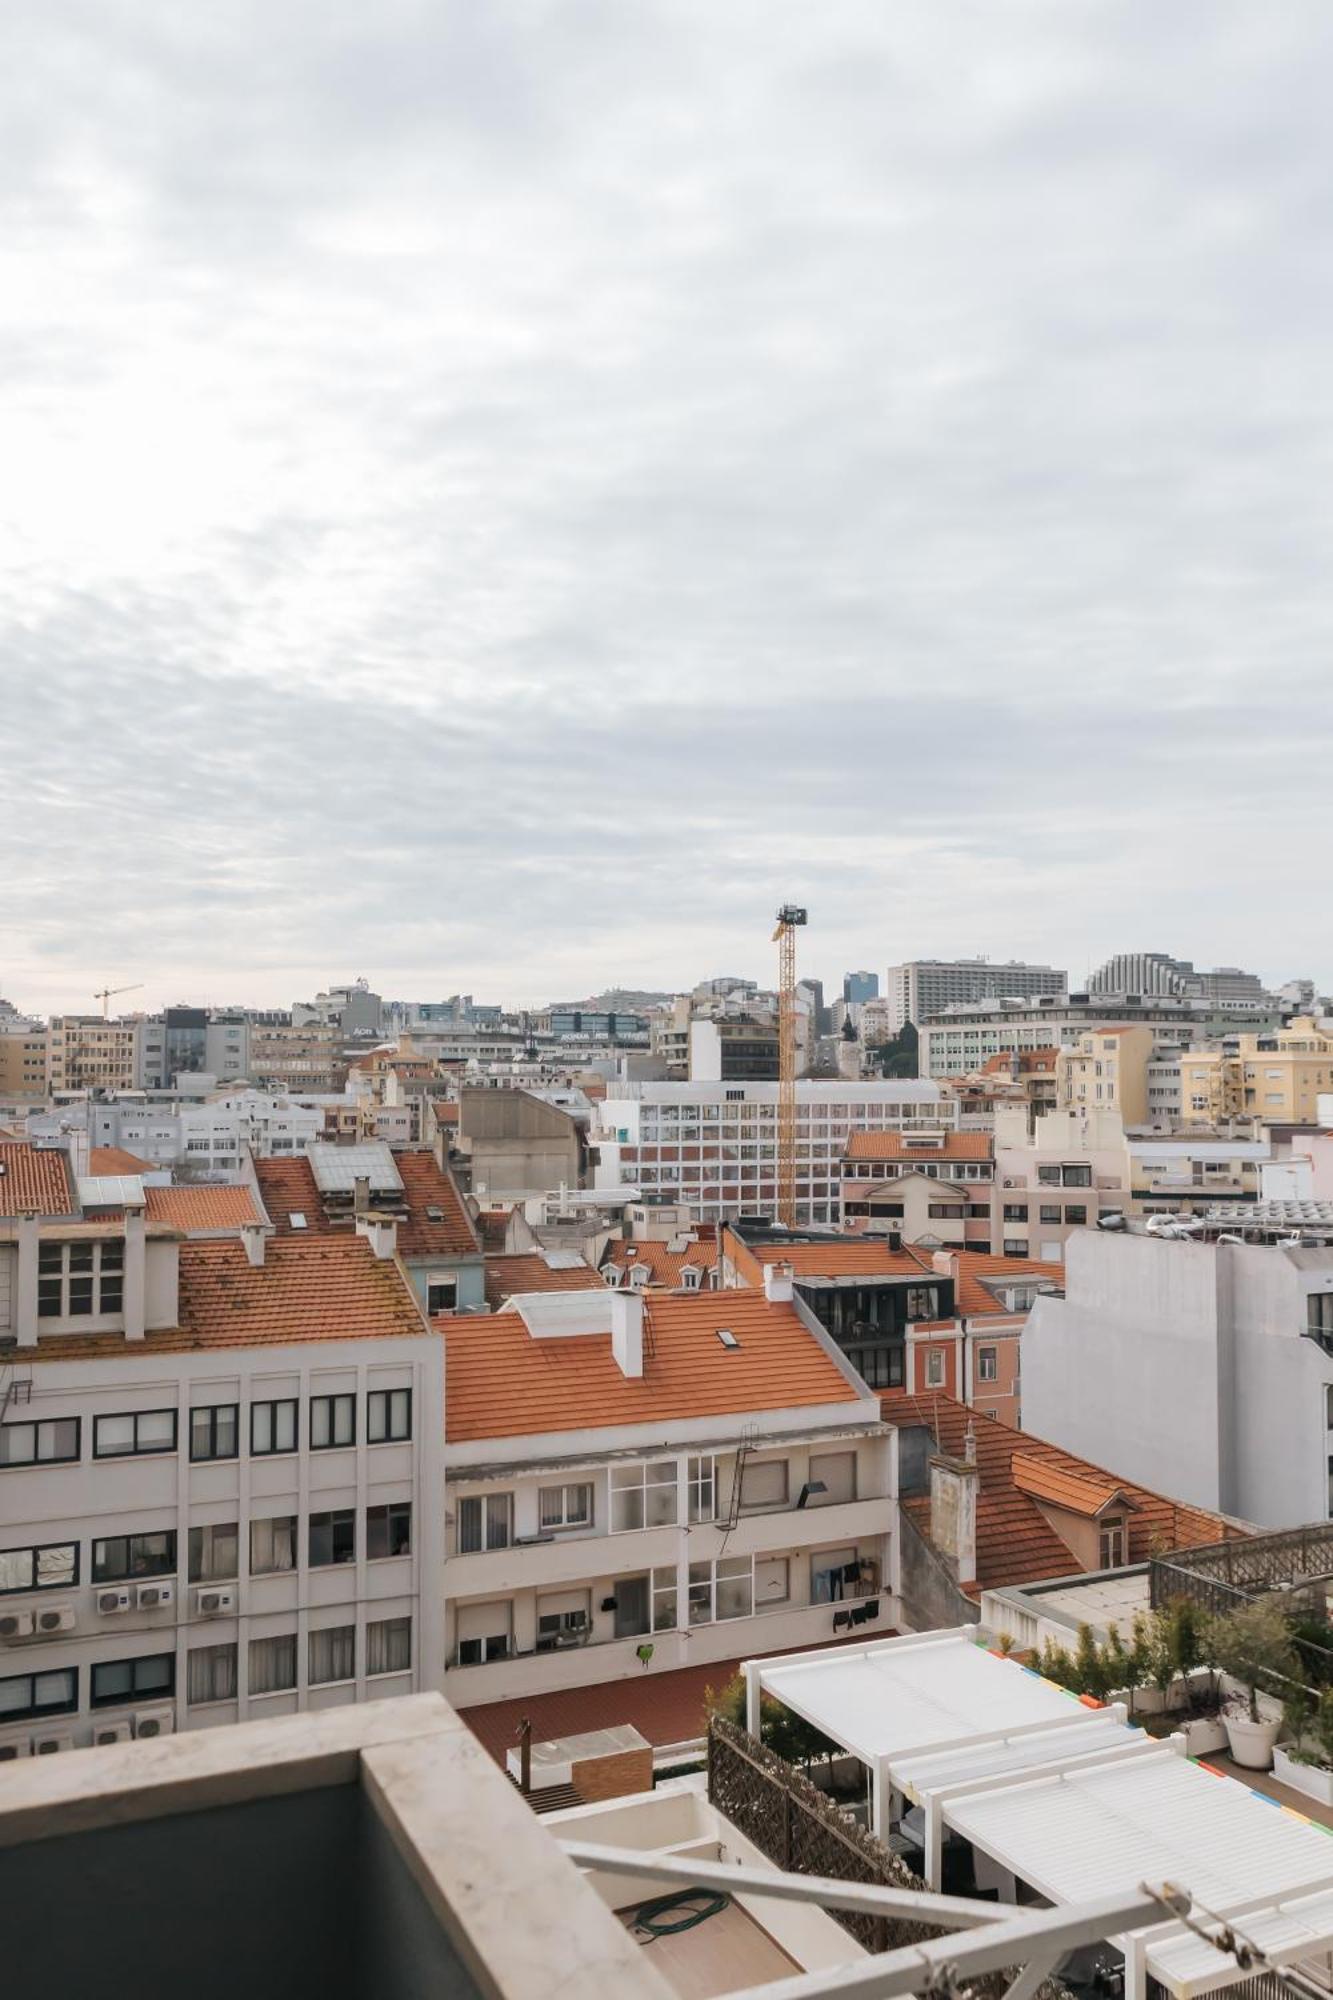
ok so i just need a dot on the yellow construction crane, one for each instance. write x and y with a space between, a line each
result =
791 918
106 993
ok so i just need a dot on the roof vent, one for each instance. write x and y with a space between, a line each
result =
434 1214
727 1337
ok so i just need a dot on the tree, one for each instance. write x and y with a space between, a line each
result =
1253 1645
898 1057
1089 1665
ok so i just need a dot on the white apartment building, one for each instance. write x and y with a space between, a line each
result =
209 1137
640 1485
925 986
958 1042
1202 1369
714 1146
221 1473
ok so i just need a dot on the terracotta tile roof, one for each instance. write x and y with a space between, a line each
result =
895 1147
1038 1062
661 1261
427 1185
1076 1492
492 1227
848 1256
665 1708
528 1271
34 1178
977 1273
115 1160
327 1289
287 1187
199 1210
1015 1542
505 1383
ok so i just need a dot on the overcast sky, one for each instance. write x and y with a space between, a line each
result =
498 496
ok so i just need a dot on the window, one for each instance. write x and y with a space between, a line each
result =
388 1415
934 1367
836 1471
54 1442
563 1619
702 1482
721 1589
273 1545
211 1674
273 1427
389 1530
215 1553
1049 1176
564 1507
145 1679
333 1655
987 1364
772 1581
765 1484
1017 1211
1076 1176
39 1694
485 1521
1077 1213
1112 1539
643 1496
1050 1212
389 1646
50 1566
133 1556
441 1295
923 1302
215 1431
76 1279
273 1664
332 1422
1319 1321
664 1600
134 1435
1015 1247
881 1367
484 1633
333 1537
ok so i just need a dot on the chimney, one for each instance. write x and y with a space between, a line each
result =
135 1287
778 1283
380 1231
361 1194
953 1509
252 1235
627 1332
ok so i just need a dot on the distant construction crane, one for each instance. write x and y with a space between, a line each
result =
106 993
791 918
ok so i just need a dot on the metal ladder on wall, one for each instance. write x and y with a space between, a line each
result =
744 1451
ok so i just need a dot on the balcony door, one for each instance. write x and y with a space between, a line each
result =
632 1607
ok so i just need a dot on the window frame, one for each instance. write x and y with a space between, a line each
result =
988 1364
223 1647
634 1480
388 1508
169 1561
937 1373
483 1503
271 1404
290 1639
375 1624
37 1425
323 1632
214 1411
137 1450
34 1550
202 1528
341 1403
568 1523
134 1661
388 1435
293 1524
37 1709
337 1520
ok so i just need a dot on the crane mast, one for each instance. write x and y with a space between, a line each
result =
790 919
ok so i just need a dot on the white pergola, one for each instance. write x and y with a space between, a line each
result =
1068 1798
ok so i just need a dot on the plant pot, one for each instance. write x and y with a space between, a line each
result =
1203 1734
1251 1743
1315 1780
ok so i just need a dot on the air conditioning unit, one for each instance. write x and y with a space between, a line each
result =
53 1741
214 1601
156 1596
109 1602
111 1732
55 1618
15 1625
154 1722
9 1751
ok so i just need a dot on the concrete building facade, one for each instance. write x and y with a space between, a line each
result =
921 987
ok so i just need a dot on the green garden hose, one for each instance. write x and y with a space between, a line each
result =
695 1905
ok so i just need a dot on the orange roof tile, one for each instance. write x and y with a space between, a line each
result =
662 1262
528 1271
287 1188
1060 1487
34 1179
200 1210
1015 1542
108 1160
848 1256
427 1185
895 1147
505 1383
977 1273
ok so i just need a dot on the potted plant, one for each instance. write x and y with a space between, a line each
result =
1306 1763
1251 1645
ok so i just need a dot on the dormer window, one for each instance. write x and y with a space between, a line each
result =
690 1276
75 1280
1113 1542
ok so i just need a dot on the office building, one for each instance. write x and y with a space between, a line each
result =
858 987
87 1053
921 987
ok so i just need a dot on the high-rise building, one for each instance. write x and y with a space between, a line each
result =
88 1053
921 987
860 986
1154 973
